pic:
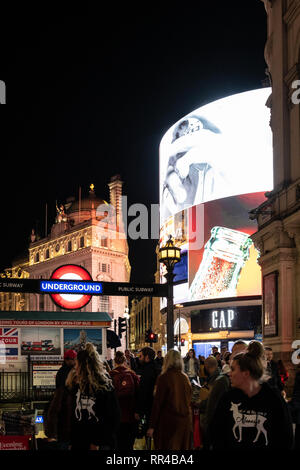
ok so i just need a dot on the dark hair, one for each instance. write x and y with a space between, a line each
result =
227 356
252 360
120 357
147 351
267 348
238 341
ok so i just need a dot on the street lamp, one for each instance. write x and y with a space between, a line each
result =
126 315
179 306
169 255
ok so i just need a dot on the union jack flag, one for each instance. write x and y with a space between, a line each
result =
8 331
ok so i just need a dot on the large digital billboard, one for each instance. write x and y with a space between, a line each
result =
216 163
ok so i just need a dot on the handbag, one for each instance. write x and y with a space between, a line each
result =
141 428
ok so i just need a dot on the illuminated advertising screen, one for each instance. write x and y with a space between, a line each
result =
216 163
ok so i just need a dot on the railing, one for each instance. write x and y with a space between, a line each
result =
14 388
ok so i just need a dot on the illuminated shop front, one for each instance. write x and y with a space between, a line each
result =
221 325
215 167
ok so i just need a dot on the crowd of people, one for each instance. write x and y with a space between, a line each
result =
228 400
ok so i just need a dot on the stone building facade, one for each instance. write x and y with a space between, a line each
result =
85 234
278 235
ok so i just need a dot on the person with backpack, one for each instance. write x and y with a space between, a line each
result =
58 415
126 384
95 407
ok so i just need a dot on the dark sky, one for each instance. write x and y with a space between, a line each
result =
90 93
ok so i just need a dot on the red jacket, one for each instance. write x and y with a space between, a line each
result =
127 403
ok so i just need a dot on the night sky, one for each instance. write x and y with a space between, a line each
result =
91 93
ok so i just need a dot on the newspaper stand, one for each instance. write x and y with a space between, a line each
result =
20 430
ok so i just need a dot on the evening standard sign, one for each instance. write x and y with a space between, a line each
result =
51 286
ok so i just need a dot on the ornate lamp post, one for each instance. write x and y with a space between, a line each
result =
126 315
179 306
169 255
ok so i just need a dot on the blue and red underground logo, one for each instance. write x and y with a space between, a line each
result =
68 278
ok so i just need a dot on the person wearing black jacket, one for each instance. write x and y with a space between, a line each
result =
159 361
148 372
95 410
63 372
272 370
295 409
253 414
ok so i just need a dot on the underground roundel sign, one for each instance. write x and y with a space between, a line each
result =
71 272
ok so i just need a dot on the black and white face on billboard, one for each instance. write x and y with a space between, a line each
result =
220 150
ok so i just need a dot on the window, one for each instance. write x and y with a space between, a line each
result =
69 245
37 257
41 302
81 242
103 268
104 241
104 303
47 254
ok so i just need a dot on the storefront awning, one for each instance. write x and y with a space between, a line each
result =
43 318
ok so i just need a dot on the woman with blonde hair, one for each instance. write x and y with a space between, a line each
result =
252 414
96 414
171 417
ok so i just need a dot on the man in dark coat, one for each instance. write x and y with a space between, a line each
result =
63 372
148 373
159 360
130 360
295 409
272 369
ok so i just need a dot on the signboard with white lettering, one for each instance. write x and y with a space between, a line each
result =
88 288
43 375
226 318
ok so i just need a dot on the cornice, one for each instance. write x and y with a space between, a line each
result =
275 257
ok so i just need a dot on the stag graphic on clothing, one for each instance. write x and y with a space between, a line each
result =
248 420
84 403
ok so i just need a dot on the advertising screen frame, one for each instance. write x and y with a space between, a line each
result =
183 150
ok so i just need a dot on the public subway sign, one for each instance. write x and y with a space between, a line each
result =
71 287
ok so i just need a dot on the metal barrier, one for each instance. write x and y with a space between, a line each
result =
15 388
